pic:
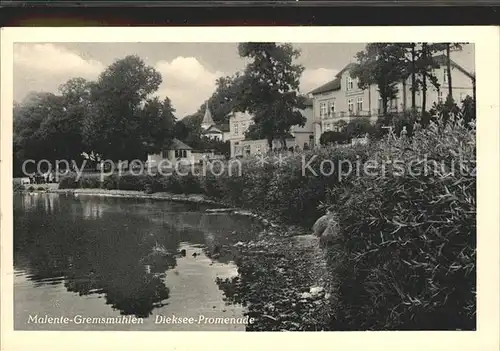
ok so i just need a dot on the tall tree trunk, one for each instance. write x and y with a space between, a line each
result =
424 91
448 69
424 78
474 91
283 143
369 100
413 78
270 143
404 94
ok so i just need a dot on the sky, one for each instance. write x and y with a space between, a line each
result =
189 70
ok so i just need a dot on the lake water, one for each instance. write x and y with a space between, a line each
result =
103 257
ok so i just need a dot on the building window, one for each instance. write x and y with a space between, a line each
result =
445 78
243 127
332 107
350 105
164 154
322 109
328 127
359 104
180 153
462 96
236 128
440 96
350 83
394 104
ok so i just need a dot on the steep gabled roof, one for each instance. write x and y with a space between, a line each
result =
176 144
442 59
207 119
211 129
330 86
334 85
346 68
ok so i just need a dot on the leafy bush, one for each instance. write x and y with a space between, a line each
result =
90 181
173 183
68 182
405 257
129 182
110 182
283 191
332 137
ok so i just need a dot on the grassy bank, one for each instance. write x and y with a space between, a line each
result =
405 256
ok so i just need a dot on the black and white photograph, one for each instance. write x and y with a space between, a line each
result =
244 185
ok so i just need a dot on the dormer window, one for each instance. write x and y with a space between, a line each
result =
350 83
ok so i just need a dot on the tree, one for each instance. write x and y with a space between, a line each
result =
158 124
113 128
220 103
181 131
254 132
224 99
358 128
192 129
49 126
32 121
425 66
383 65
269 88
448 48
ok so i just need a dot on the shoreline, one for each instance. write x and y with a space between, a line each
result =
164 196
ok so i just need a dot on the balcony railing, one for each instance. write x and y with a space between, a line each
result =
346 114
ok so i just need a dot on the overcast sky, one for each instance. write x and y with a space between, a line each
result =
189 70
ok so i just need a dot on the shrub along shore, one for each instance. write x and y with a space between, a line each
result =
405 256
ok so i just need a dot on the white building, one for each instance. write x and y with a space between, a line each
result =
209 128
239 122
172 154
342 99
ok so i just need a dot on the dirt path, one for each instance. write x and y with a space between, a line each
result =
283 280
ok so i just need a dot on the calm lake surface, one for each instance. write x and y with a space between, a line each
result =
94 256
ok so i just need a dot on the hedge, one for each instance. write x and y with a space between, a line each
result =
405 258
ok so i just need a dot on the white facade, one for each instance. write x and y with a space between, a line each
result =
342 99
177 152
239 122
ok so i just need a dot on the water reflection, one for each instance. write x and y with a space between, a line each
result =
119 249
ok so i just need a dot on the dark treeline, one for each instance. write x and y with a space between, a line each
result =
117 117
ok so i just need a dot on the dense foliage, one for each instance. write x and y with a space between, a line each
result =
406 255
270 89
114 117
